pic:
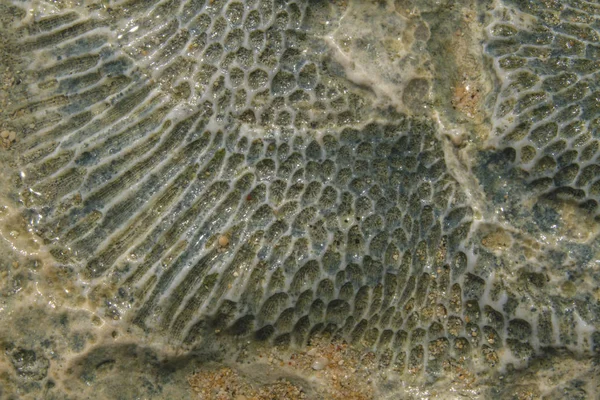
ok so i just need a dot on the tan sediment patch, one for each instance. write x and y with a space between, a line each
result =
225 384
470 86
466 98
329 370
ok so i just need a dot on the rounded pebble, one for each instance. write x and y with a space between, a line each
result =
320 363
223 241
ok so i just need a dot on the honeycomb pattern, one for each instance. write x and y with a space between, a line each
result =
210 172
547 116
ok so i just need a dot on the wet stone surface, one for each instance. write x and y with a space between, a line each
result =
299 199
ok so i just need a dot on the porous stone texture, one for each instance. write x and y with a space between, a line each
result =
248 199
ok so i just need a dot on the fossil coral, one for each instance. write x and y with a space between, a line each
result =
211 171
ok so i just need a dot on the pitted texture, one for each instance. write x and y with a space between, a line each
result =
208 168
547 116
